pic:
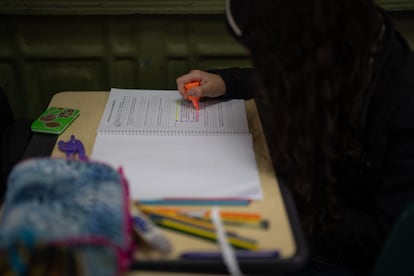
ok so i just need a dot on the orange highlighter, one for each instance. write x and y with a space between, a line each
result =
193 99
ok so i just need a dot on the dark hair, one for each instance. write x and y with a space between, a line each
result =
314 61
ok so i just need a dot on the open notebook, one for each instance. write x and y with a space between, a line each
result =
169 150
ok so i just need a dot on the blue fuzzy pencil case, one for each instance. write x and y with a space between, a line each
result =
67 216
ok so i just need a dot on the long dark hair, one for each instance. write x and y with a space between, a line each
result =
313 59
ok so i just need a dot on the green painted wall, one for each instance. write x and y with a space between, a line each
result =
47 46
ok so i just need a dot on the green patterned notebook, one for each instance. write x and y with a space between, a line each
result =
55 120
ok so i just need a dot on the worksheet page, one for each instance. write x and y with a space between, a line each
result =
167 112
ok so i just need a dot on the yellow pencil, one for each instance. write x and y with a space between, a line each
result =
263 224
170 214
239 216
182 227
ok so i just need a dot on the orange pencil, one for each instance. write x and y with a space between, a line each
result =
206 213
165 210
231 218
242 216
227 216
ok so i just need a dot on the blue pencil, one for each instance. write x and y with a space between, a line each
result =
195 202
240 254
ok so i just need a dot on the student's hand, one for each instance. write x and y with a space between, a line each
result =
211 85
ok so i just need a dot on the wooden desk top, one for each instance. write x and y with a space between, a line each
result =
279 236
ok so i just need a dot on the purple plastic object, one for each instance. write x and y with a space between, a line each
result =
72 148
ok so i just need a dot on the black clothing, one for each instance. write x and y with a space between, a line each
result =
14 137
378 182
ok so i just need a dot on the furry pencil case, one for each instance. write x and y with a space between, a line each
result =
77 209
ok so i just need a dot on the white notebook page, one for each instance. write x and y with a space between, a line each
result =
167 149
161 167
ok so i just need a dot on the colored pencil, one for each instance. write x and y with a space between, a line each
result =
227 215
230 215
263 224
249 220
236 241
196 202
197 224
240 254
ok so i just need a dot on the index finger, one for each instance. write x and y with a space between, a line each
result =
192 76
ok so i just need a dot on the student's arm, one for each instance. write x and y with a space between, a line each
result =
223 83
240 82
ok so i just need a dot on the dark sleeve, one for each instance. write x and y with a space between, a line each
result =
240 82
